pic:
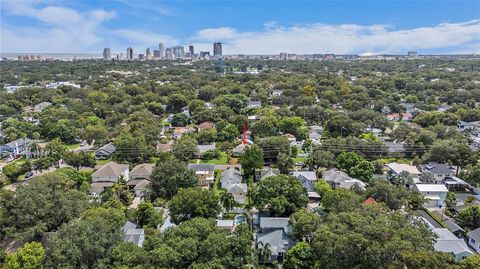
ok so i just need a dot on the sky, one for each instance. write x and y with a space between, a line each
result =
244 27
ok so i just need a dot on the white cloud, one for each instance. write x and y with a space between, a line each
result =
345 38
58 29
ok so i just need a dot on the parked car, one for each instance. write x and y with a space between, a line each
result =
29 174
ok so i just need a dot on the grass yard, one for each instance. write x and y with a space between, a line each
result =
222 160
216 188
102 162
73 146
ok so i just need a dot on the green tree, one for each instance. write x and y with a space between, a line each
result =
227 200
251 159
341 200
180 120
30 256
185 148
470 217
193 202
84 242
128 255
320 158
293 126
304 224
471 262
300 256
322 187
427 177
81 159
279 195
97 133
382 237
284 163
451 200
169 176
132 149
43 205
147 216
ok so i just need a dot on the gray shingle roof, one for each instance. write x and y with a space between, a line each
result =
279 242
272 223
475 234
201 167
231 174
110 169
143 170
108 149
437 168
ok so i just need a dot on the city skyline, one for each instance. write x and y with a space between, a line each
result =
305 27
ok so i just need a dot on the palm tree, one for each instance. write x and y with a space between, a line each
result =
227 200
265 253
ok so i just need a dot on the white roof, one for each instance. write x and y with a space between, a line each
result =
399 167
431 188
224 223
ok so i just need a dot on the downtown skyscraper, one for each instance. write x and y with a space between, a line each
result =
107 54
217 50
161 50
129 53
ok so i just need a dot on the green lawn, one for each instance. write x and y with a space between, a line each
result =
102 162
73 146
299 159
222 160
216 188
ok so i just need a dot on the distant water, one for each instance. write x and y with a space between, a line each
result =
59 56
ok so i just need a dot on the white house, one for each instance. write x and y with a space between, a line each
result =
239 192
447 242
439 171
435 194
474 239
394 169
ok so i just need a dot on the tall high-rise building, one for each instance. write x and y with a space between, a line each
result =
283 55
191 50
178 52
148 54
129 53
160 48
169 54
156 54
107 54
217 50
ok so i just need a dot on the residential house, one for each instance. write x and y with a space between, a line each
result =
266 172
439 171
17 147
314 136
447 242
471 127
204 148
239 192
375 131
206 125
107 175
435 194
340 179
140 178
253 118
132 234
394 169
229 177
105 152
316 128
41 106
275 232
400 116
460 208
238 150
308 180
276 93
204 172
254 104
178 132
167 147
474 239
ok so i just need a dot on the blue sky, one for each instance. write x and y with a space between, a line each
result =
251 27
